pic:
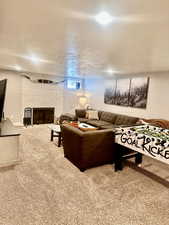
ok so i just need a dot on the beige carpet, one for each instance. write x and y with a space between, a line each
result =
46 189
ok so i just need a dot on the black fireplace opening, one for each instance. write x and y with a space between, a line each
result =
43 115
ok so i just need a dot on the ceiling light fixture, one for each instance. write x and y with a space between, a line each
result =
110 71
104 18
17 67
34 59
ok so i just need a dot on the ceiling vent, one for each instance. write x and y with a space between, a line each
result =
41 81
44 81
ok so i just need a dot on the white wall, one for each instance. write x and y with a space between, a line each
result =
70 101
49 95
157 105
42 95
22 93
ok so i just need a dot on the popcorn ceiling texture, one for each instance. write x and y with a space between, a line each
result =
46 189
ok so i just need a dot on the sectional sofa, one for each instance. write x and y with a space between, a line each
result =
92 148
106 120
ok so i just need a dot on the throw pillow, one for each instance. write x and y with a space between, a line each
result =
92 114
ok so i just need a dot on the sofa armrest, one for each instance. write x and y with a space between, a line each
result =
98 132
71 128
98 146
88 148
67 117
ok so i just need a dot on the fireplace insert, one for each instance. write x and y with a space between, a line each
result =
43 115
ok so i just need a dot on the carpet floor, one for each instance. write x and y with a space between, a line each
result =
46 189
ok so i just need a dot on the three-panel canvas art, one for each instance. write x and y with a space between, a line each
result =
130 92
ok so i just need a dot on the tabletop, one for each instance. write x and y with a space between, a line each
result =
54 127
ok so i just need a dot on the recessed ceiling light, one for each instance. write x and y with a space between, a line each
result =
17 67
34 59
104 18
110 71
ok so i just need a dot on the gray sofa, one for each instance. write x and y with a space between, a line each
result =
107 120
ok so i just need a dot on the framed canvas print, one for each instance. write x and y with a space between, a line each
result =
138 92
110 92
122 92
130 92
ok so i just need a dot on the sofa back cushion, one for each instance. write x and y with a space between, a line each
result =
125 120
80 113
108 117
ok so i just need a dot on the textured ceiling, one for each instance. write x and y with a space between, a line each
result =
65 36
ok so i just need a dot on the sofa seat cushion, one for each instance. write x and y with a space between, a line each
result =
108 117
110 126
67 117
82 120
125 120
98 123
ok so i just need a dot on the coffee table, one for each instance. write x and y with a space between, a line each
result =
55 132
